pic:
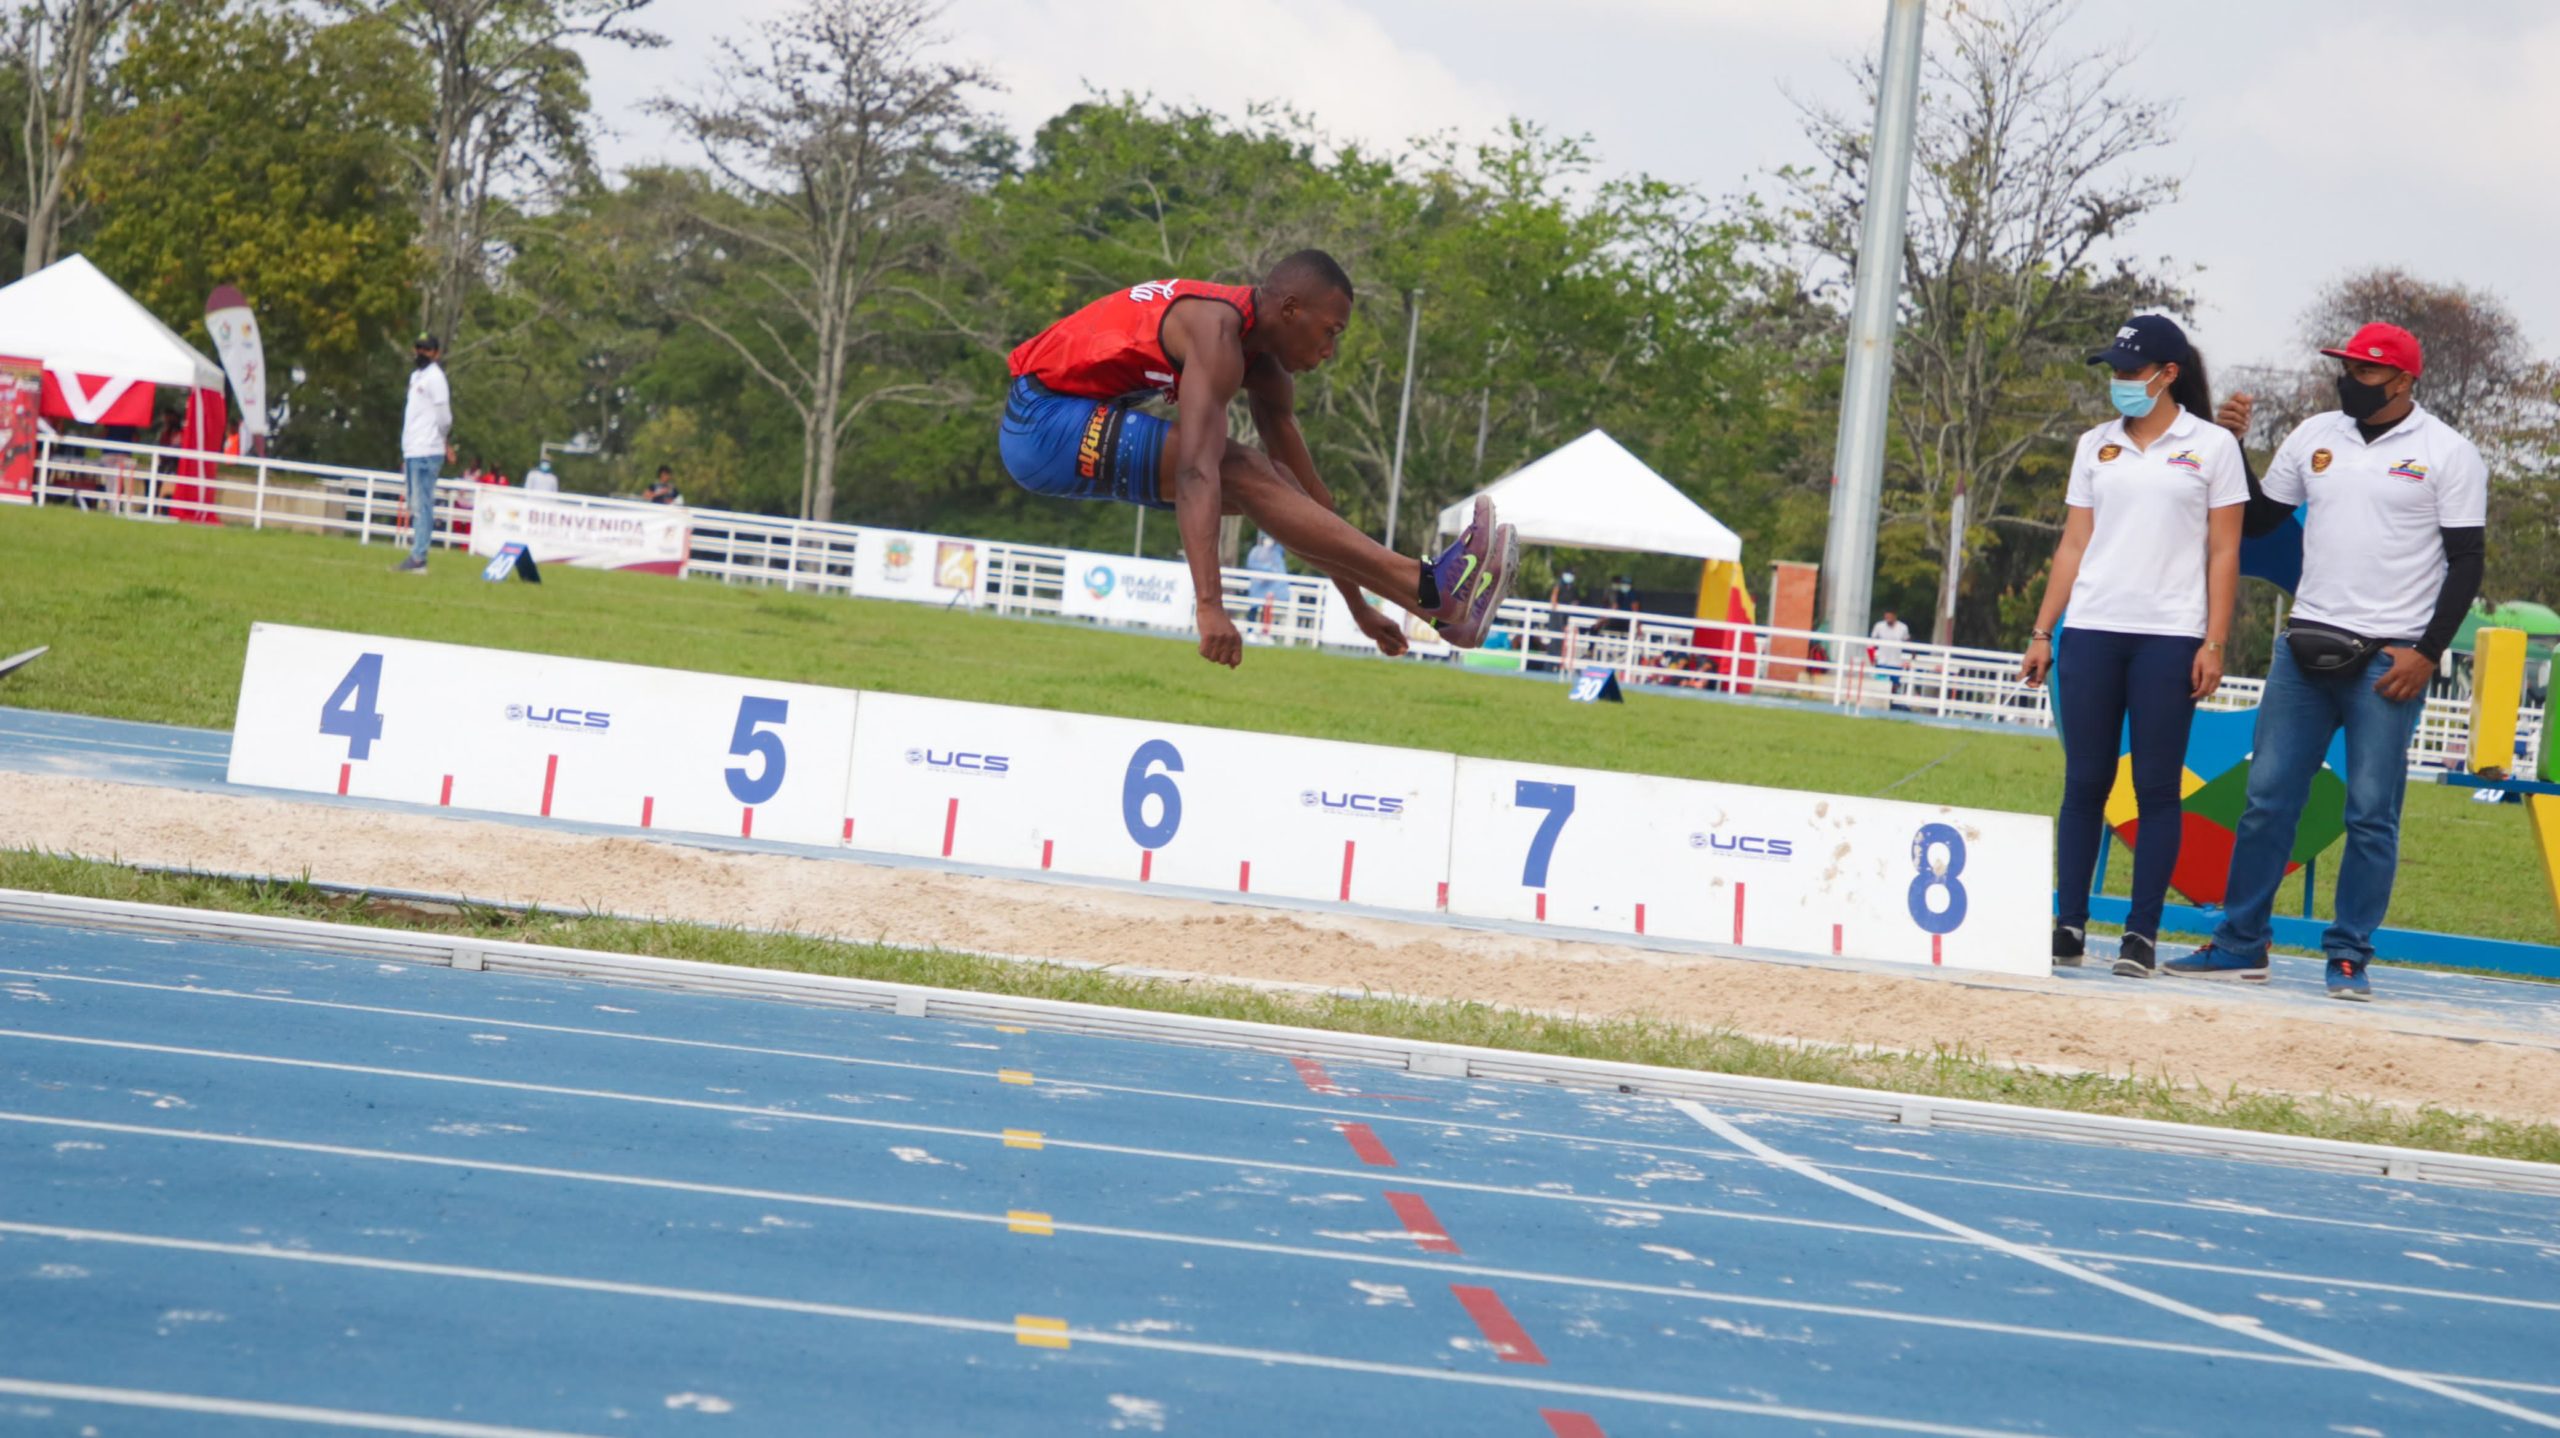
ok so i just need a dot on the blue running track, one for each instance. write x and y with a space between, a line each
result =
253 1191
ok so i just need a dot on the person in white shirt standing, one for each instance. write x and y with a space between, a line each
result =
1889 635
2393 545
541 480
426 442
2149 564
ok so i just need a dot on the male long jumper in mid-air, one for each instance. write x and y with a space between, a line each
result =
1072 429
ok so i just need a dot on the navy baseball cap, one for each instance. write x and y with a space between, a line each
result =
2146 340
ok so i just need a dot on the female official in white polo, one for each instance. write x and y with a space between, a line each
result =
2148 564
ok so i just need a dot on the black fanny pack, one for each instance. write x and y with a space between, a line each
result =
2327 649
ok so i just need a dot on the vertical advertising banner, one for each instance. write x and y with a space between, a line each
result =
21 398
244 361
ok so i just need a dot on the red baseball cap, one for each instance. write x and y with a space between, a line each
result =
2384 344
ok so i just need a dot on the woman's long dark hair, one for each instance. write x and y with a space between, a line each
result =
2193 389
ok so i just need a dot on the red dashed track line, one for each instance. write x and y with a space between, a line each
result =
1364 1142
1570 1425
1510 1341
1312 1074
1420 1222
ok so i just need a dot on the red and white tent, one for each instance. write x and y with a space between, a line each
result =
107 359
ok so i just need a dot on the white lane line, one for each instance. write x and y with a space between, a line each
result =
1281 1250
1409 1179
1373 1119
1051 1140
1005 1329
278 1412
2240 1324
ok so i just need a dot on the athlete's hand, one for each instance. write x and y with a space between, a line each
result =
2234 415
1219 641
2410 671
1383 630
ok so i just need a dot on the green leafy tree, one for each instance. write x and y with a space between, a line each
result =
256 148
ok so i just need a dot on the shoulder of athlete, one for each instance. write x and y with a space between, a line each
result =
1195 326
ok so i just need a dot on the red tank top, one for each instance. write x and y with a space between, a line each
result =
1114 347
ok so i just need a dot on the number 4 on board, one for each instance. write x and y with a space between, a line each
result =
350 712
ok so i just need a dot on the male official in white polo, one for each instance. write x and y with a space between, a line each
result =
2396 510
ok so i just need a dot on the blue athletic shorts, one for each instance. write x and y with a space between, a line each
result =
1072 448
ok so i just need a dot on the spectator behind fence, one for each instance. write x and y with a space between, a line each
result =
2395 513
1267 557
2148 563
662 490
1889 634
426 442
541 480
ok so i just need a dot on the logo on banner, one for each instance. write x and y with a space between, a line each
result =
956 761
955 565
1372 806
560 717
1099 581
896 557
1746 846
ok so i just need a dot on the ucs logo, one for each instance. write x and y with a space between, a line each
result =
954 760
553 716
1384 806
1748 846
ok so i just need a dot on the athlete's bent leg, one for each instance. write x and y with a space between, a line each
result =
1279 506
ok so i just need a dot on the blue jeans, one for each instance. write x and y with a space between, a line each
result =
2107 681
2296 718
419 473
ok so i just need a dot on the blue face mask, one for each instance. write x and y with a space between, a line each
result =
2133 397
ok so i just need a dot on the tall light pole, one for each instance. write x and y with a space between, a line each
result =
1404 411
1857 464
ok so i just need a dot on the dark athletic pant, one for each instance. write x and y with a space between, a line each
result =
2110 683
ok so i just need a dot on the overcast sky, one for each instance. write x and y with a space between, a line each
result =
2314 136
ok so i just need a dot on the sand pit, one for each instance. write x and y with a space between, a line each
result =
2216 1037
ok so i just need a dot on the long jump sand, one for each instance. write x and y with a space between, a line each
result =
2216 1039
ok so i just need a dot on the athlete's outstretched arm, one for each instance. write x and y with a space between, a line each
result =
1271 396
1209 341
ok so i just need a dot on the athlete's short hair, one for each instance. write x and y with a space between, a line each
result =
1310 267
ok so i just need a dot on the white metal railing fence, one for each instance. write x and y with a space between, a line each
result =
1666 653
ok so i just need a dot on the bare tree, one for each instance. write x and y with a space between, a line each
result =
837 144
509 103
2020 194
62 48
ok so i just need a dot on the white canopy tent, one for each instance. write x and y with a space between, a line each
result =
103 353
1593 494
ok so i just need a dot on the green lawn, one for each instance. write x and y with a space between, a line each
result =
150 621
1943 1072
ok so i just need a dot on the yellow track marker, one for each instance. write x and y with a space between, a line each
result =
1013 1076
1011 1029
1023 1220
1035 1332
1022 1138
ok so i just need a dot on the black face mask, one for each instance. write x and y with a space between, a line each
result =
2361 401
421 359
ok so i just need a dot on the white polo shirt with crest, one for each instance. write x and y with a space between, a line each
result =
2144 569
2372 554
